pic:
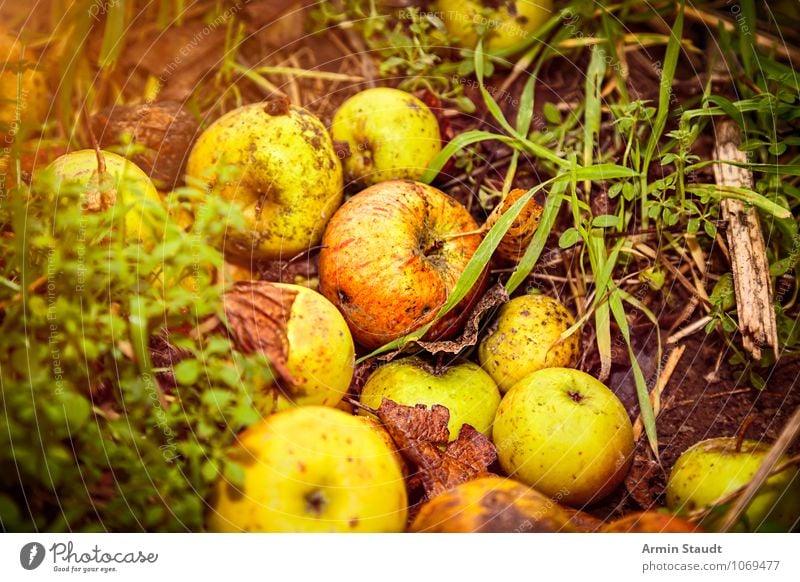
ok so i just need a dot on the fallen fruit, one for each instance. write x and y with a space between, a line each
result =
302 334
492 504
23 90
526 338
288 182
505 23
389 134
124 186
711 469
312 469
561 430
464 389
650 522
390 257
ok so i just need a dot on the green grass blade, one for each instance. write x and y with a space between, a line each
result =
113 35
744 194
664 99
456 144
645 406
591 113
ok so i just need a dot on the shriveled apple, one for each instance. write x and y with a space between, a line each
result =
391 257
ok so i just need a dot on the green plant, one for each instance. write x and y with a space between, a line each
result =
115 415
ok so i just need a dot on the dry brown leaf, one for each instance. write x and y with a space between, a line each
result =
495 296
258 313
519 235
164 128
418 431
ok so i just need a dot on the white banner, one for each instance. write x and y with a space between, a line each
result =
408 558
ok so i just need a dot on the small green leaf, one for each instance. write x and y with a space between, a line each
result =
187 372
606 221
234 473
77 409
569 237
551 113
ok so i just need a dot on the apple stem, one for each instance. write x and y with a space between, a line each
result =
742 431
357 404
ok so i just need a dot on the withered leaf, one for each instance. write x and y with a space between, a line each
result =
495 296
519 235
418 431
258 313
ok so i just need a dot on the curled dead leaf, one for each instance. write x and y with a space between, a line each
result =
418 433
519 235
258 313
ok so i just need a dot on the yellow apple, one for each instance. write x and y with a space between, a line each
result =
464 389
526 338
505 22
287 179
561 430
320 355
389 134
130 189
312 469
711 469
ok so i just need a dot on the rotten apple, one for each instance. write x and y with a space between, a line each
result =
286 177
391 256
304 337
492 504
389 134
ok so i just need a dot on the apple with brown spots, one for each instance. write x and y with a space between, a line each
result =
391 256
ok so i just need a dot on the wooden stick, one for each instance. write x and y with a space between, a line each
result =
749 264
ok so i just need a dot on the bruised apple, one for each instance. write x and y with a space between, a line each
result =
312 469
285 176
391 256
526 338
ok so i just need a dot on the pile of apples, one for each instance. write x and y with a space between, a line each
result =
391 255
